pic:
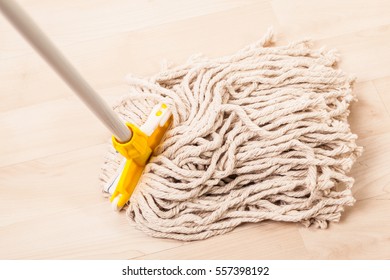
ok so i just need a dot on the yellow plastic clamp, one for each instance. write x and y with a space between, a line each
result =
137 151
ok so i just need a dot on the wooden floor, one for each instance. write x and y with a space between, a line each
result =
51 146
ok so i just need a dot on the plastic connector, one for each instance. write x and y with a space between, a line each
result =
137 148
138 151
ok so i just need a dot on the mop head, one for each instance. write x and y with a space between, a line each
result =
258 135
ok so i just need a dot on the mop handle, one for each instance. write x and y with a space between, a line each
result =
62 66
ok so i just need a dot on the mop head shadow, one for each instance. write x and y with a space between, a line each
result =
258 135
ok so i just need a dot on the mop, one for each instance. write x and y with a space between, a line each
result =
258 135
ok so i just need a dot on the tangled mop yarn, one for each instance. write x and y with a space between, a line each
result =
258 135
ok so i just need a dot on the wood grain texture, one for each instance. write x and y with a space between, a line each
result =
51 147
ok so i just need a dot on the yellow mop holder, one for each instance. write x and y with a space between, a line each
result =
137 152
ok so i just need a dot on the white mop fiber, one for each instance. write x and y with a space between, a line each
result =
258 135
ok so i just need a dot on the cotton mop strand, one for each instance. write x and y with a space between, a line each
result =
259 135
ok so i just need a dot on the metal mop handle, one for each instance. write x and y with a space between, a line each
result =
61 65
